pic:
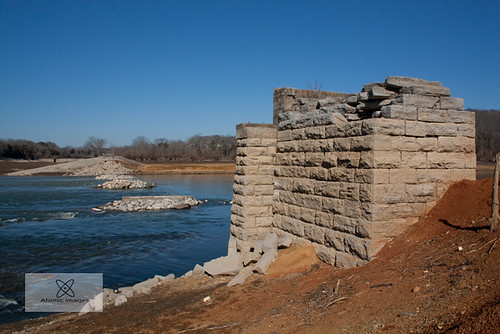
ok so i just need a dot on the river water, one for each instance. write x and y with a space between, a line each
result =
47 225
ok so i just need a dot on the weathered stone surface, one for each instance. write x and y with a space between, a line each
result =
454 103
227 265
399 112
419 101
350 171
265 261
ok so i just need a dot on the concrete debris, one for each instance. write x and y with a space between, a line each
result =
242 276
225 265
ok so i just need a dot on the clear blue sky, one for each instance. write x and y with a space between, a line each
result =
172 69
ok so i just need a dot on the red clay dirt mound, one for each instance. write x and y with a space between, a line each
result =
440 276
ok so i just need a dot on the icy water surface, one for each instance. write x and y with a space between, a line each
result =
47 225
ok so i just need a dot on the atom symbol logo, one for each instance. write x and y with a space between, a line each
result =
65 288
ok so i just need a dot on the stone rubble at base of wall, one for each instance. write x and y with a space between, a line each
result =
347 172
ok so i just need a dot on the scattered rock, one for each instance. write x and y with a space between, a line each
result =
415 289
121 299
127 291
197 270
285 241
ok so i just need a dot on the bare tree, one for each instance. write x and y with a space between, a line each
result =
96 145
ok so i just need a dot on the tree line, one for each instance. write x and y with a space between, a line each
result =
487 134
196 148
205 148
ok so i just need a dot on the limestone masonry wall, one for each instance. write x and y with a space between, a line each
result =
346 172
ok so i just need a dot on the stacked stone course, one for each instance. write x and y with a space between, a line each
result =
350 171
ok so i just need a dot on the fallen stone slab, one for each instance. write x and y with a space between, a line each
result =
226 265
242 276
251 257
285 241
265 261
270 242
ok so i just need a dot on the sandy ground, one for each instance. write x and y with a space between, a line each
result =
440 276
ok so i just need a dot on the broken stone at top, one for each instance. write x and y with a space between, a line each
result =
407 85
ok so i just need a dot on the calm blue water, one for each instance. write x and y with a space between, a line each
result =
47 225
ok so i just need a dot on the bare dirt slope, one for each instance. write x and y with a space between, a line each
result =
441 276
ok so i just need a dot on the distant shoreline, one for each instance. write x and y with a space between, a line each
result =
155 168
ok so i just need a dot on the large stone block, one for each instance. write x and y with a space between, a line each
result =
399 112
386 159
324 219
432 115
420 192
251 130
454 103
419 101
340 174
346 260
378 92
227 265
393 127
326 254
445 160
466 130
357 246
251 151
308 216
400 81
314 233
456 144
389 193
290 225
426 144
461 117
403 176
317 132
334 239
422 129
413 160
348 159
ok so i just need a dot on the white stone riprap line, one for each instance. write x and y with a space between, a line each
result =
146 203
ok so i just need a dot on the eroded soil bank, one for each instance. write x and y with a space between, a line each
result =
441 276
